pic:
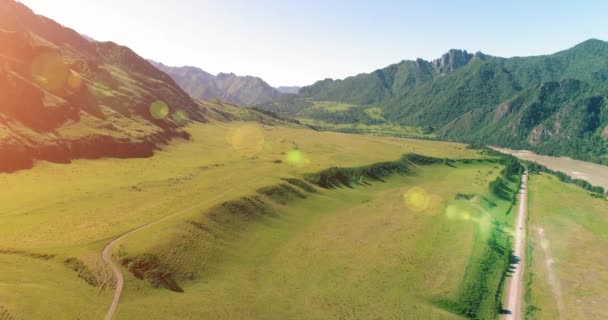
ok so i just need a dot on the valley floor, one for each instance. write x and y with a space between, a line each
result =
359 253
346 252
567 256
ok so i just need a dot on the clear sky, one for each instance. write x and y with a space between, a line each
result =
298 42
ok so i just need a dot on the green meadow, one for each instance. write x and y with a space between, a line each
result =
229 239
381 129
567 256
394 249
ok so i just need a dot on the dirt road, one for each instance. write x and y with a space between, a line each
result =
106 253
106 256
514 296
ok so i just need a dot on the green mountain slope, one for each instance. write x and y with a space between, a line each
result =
569 117
241 90
510 102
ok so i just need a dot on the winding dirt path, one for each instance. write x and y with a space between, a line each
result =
514 290
106 253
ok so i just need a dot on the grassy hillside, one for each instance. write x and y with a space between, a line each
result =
567 240
569 117
477 98
392 249
64 97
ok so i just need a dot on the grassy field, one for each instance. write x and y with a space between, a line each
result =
71 211
392 130
331 106
395 249
568 237
349 118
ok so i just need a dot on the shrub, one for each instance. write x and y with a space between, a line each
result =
463 196
83 271
149 267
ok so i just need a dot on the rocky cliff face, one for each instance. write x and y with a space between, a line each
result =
65 97
454 59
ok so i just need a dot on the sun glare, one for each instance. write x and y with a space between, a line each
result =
248 140
180 116
159 110
417 199
297 158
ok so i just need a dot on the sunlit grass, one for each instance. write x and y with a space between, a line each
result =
359 253
567 259
385 129
72 210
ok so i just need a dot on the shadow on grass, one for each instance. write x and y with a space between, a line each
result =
338 177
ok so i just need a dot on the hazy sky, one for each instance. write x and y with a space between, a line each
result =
299 42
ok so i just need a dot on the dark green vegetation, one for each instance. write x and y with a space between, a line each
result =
338 177
538 168
241 90
512 166
83 271
553 104
481 292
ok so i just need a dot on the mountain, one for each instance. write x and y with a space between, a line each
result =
288 89
241 90
65 97
520 102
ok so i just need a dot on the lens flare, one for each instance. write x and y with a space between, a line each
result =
417 199
454 212
247 140
49 71
159 110
296 158
180 116
463 215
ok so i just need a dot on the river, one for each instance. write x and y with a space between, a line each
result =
594 173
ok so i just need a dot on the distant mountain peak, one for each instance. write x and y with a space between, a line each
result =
226 75
592 45
228 87
593 41
452 60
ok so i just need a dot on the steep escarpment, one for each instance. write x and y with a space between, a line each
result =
65 97
201 241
